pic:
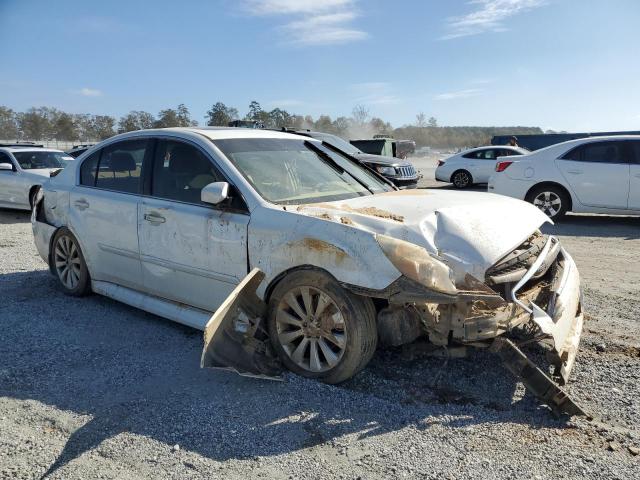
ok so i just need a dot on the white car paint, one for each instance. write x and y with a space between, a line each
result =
593 187
182 261
479 162
17 184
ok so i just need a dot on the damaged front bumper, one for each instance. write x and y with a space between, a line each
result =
546 306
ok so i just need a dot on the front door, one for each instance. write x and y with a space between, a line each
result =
14 190
103 212
598 173
191 252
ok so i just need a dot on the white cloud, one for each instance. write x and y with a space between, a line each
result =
318 22
488 17
88 92
374 93
470 92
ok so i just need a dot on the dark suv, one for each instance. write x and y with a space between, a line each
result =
400 172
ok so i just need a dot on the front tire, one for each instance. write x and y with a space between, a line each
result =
551 200
461 179
320 330
69 265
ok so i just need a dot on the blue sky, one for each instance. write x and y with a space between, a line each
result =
560 64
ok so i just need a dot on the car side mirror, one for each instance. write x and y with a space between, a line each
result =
215 193
6 166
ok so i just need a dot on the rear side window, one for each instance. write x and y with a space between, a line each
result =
120 166
88 170
598 152
502 152
635 152
488 154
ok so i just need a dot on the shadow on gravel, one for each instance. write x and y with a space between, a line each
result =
627 228
134 372
8 217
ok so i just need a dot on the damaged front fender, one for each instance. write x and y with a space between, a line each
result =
235 337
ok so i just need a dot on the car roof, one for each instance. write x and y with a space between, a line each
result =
222 133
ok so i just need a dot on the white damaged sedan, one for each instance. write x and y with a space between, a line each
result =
289 253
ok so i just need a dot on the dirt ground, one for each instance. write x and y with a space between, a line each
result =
90 388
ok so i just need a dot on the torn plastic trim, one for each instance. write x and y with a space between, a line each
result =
405 290
534 379
235 337
43 231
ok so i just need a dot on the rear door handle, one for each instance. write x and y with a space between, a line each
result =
81 204
154 218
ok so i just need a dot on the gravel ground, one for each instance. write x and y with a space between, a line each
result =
90 388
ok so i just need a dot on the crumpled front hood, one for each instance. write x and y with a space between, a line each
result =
469 230
378 159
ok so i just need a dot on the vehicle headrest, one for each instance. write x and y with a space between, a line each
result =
185 159
122 162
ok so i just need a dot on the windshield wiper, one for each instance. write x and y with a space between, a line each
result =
327 158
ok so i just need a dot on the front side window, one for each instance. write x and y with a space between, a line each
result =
88 170
288 171
180 171
40 159
120 166
635 152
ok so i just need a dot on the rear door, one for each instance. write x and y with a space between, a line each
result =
191 252
598 173
634 178
482 164
103 211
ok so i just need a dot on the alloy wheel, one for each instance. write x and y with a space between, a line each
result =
311 329
461 179
67 261
549 202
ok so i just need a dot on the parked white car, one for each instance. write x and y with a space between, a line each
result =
22 170
286 252
473 166
589 175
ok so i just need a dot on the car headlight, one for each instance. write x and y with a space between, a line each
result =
414 262
386 170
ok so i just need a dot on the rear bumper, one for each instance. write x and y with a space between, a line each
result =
42 231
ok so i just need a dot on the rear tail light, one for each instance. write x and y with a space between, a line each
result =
502 166
440 163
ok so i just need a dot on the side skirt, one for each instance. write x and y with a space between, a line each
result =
178 312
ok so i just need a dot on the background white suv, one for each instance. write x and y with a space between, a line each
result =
473 166
590 175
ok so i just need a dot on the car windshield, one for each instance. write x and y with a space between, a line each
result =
292 171
337 142
41 159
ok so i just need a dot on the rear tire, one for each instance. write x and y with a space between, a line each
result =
68 264
461 179
319 329
553 201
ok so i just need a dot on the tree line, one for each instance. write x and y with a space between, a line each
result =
46 123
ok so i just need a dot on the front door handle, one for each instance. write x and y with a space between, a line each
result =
81 204
154 218
575 172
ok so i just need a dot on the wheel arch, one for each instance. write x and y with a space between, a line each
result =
561 187
32 190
